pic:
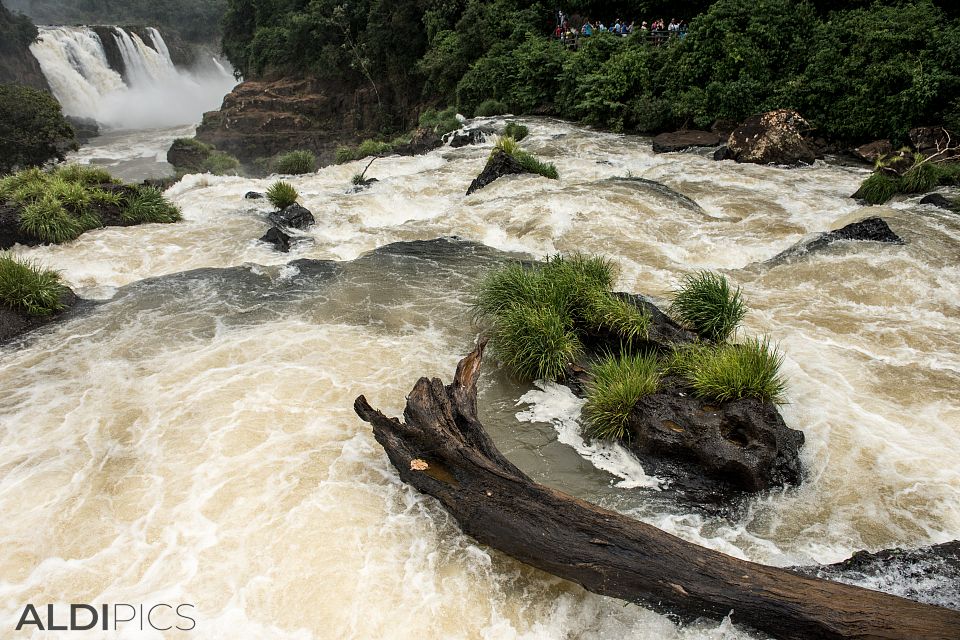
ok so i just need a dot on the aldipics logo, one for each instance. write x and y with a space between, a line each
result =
107 617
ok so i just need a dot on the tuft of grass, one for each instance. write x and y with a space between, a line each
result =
149 205
46 220
282 194
366 148
527 160
27 287
84 174
357 179
535 341
220 163
878 188
617 384
490 107
296 162
706 304
605 310
516 131
731 371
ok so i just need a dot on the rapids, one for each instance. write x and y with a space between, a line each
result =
190 438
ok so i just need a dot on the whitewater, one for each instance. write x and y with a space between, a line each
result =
191 438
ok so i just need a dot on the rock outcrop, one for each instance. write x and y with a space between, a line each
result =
743 443
680 140
188 155
293 217
261 118
873 151
279 239
17 64
500 164
775 137
940 200
872 229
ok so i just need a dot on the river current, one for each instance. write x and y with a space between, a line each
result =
190 437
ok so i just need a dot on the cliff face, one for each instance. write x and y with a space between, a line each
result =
17 64
260 118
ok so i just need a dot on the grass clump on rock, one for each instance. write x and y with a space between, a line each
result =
296 162
527 160
732 371
539 314
706 304
282 194
618 383
28 288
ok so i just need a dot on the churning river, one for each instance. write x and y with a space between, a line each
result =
190 438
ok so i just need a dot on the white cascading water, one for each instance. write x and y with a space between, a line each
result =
155 94
192 439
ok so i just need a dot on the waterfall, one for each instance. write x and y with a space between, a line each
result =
148 92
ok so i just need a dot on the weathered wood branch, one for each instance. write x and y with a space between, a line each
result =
442 449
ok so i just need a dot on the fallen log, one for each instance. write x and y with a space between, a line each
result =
442 450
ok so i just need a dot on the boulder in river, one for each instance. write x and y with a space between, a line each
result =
188 155
775 137
500 164
742 443
279 239
680 140
295 217
467 136
873 151
940 200
872 229
253 195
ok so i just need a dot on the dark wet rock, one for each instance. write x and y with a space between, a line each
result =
928 574
743 443
363 185
279 239
253 195
872 229
464 137
873 151
935 140
680 140
775 137
723 153
294 217
84 129
500 164
723 127
424 139
940 200
14 322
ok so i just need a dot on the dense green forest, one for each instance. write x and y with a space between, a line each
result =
196 20
857 70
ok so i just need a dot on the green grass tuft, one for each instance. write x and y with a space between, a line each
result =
282 194
516 131
731 371
149 205
296 162
84 174
604 310
46 220
705 303
535 341
527 161
617 383
26 287
878 188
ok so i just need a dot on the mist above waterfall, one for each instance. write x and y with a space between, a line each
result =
149 92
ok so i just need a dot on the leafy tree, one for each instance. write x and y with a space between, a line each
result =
32 128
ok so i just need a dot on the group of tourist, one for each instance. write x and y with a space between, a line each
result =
658 30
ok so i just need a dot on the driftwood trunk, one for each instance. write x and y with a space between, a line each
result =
442 449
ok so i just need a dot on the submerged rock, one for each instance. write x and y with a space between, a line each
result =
771 138
872 229
742 443
500 164
279 239
928 574
295 217
680 140
940 200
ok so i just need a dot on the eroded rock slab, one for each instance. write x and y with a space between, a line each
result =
500 164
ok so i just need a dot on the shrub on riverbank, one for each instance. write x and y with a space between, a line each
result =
28 288
33 130
296 162
58 205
